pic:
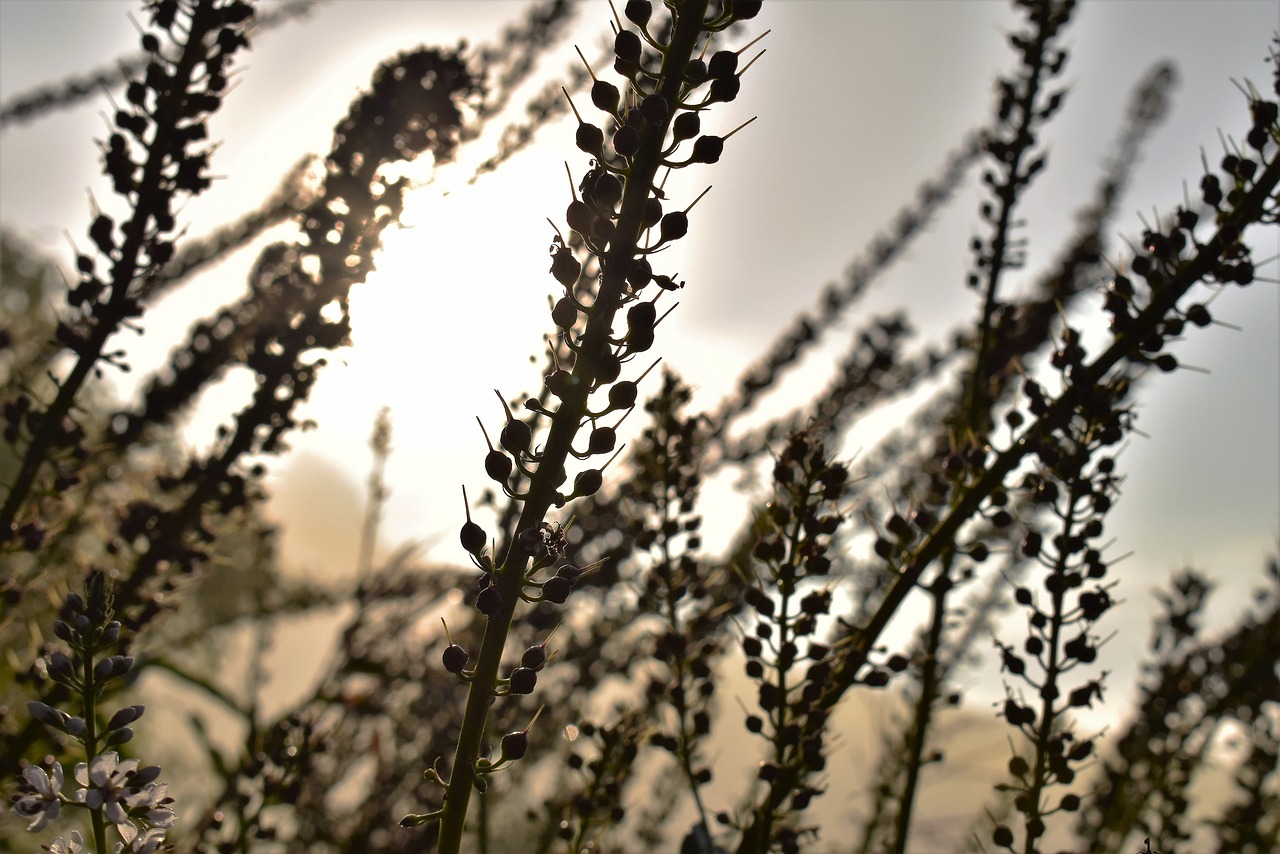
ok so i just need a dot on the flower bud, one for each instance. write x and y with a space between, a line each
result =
125 716
60 667
46 714
119 736
76 727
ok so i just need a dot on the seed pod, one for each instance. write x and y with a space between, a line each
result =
743 10
725 89
626 46
623 395
496 463
638 11
607 191
675 225
516 436
695 72
641 315
588 482
603 230
686 126
602 441
558 383
523 680
472 535
100 233
707 149
565 267
640 340
652 214
590 138
608 368
455 658
605 96
579 217
534 657
565 314
655 108
556 589
489 601
515 745
626 142
723 64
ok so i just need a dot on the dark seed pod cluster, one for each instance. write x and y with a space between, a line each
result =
793 669
615 208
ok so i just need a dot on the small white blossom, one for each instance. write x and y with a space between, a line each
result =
74 845
146 842
106 785
40 800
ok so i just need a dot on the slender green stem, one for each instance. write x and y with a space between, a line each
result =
930 679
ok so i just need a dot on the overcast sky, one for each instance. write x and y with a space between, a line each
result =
857 103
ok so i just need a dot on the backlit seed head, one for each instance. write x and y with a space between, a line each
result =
515 745
497 465
516 436
640 273
605 96
695 72
589 138
626 46
557 589
723 64
489 601
455 658
579 217
707 149
602 441
626 142
675 225
623 395
725 88
523 680
564 266
588 482
558 383
655 108
534 657
638 11
686 126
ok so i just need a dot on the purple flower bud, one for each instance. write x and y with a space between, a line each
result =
76 727
125 716
46 714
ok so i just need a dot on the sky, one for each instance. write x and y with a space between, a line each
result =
857 102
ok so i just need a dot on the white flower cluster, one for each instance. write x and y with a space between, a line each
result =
127 795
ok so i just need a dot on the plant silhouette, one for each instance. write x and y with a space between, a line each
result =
569 683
